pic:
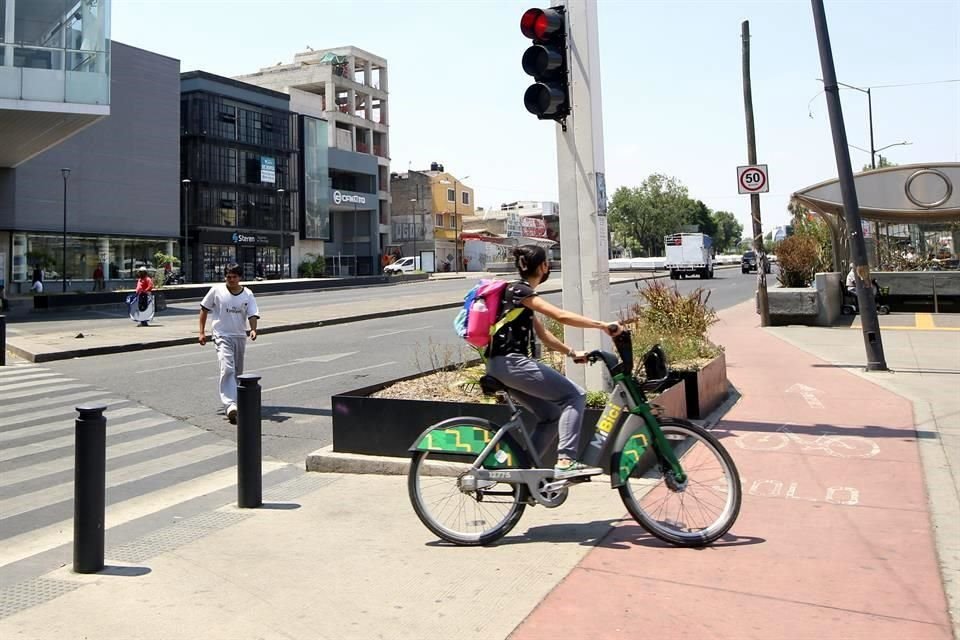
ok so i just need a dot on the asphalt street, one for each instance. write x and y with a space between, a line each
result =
302 369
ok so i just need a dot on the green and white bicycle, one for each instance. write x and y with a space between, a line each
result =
470 480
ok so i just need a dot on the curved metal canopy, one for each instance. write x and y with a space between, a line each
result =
906 194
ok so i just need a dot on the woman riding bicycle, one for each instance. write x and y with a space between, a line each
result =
555 400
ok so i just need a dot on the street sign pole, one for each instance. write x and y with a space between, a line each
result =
762 301
582 190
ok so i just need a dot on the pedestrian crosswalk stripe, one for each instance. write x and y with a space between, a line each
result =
73 400
66 463
36 541
18 433
64 491
27 375
56 388
67 441
33 383
11 371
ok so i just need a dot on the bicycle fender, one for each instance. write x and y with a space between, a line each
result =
629 450
468 435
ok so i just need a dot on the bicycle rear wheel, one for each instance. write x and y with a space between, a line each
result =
693 513
446 503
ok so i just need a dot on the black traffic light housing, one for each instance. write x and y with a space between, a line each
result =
546 61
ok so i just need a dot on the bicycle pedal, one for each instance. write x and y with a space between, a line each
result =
579 479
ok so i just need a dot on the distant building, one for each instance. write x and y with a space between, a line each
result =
348 88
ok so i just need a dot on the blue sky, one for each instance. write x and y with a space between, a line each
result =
671 80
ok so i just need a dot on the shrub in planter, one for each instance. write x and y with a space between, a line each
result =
799 258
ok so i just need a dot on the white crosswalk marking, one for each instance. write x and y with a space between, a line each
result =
154 461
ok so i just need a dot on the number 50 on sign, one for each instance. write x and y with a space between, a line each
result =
753 179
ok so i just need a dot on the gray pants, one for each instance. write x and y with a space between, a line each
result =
554 399
230 350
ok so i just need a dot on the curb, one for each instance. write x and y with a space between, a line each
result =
326 460
295 326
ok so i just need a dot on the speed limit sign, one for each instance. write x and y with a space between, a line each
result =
753 179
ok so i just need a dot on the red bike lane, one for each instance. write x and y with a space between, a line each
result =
833 539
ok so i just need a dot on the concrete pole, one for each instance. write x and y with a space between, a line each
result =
582 189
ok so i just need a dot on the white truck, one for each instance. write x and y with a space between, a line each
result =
689 254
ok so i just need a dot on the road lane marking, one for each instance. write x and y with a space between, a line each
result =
924 321
393 333
329 375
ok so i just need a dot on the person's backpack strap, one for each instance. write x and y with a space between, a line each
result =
506 319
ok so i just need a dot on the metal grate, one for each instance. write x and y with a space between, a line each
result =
31 593
175 536
299 486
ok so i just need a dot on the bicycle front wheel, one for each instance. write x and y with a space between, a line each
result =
697 511
455 507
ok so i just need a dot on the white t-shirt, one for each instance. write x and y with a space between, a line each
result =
230 311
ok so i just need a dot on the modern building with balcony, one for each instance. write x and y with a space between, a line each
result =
107 195
347 87
239 174
54 73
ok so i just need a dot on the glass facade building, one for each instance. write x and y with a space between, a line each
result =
240 163
55 50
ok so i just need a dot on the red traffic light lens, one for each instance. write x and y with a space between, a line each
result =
539 24
528 22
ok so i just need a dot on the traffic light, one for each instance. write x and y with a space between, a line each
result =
546 61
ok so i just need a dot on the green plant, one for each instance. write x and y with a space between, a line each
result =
799 258
677 322
160 275
313 266
597 399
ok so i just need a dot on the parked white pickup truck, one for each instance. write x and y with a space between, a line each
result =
689 254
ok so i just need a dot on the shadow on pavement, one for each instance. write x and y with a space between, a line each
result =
954 372
729 429
272 413
632 535
124 572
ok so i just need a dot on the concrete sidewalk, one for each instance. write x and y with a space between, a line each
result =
36 342
825 547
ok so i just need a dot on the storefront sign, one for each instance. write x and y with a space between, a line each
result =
268 170
246 238
348 197
533 228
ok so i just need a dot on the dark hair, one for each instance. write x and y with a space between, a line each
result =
233 268
528 258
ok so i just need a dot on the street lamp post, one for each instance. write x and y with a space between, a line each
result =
280 193
63 276
186 230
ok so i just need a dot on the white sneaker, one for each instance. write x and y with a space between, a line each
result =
232 414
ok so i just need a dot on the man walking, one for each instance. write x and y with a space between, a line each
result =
232 306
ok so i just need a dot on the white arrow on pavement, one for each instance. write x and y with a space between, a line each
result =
809 394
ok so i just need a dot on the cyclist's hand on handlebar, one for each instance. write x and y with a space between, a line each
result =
579 357
613 329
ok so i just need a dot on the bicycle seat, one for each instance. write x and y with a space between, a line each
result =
490 385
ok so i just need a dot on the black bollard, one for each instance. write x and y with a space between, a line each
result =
3 341
249 478
89 482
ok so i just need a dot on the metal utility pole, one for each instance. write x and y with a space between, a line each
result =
280 213
851 208
186 230
63 276
582 189
762 301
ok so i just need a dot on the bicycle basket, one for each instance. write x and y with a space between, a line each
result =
655 364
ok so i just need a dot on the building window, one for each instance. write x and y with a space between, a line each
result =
215 258
451 195
464 197
439 219
453 222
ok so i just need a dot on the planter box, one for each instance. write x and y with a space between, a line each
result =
388 426
705 389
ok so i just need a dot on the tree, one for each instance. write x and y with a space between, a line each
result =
880 165
641 216
700 215
728 231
